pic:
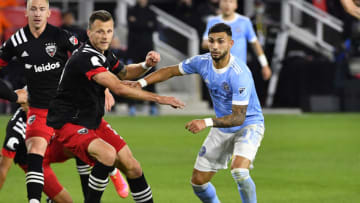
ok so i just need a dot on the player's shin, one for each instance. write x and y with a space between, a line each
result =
84 172
246 185
206 193
140 190
34 178
98 181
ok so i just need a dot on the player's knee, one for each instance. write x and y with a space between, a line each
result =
198 179
108 156
240 174
133 169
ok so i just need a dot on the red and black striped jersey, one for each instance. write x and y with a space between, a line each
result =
79 99
43 59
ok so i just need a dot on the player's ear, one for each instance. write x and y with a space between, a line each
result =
48 13
231 42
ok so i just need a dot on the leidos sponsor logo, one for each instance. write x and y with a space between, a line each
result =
47 67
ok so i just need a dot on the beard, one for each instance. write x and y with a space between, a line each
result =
217 59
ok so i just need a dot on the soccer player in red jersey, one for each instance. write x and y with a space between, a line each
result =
43 49
76 112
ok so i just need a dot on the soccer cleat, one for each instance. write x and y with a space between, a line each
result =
120 184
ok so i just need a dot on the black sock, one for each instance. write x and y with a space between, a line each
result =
84 172
34 176
98 181
140 190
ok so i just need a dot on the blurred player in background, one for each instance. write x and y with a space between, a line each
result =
243 32
239 124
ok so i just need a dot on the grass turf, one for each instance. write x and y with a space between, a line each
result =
303 158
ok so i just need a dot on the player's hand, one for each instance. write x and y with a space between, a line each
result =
172 101
196 126
22 96
109 100
152 58
352 7
266 72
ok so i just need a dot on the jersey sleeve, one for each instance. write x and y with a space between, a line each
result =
70 41
115 64
250 33
190 65
92 65
241 88
6 52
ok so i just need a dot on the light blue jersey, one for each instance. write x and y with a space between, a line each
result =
231 85
242 31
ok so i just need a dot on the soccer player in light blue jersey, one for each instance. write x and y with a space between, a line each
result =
243 32
239 124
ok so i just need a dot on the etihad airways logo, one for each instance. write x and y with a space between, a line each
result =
43 67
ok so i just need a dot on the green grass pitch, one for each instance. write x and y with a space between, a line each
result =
309 158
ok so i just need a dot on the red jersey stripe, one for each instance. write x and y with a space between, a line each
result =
93 72
115 66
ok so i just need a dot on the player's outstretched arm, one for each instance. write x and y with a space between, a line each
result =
133 71
237 118
160 75
5 164
352 7
116 86
266 70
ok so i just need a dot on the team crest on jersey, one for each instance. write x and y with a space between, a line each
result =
242 90
202 151
225 86
50 49
83 131
31 119
73 40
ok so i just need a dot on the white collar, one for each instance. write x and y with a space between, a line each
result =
223 70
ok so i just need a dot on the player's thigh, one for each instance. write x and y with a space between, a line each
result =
102 151
77 139
36 124
215 152
246 143
36 145
107 133
127 163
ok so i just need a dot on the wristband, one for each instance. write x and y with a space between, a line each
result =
144 66
263 61
209 122
142 82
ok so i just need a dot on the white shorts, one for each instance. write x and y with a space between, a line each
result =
218 147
